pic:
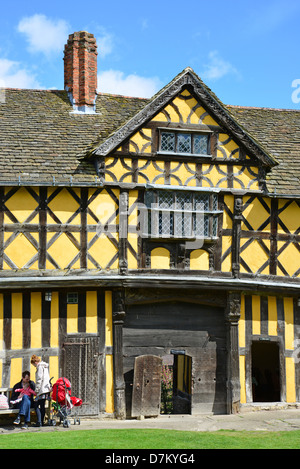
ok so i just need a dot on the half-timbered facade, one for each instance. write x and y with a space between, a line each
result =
135 233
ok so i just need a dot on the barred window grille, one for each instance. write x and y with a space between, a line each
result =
174 214
184 142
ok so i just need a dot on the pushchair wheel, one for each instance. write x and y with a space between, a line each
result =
76 421
66 423
52 422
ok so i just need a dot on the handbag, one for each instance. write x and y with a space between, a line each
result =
3 402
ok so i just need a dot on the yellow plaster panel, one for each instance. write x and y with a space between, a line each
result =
133 241
91 312
256 214
242 324
272 315
20 250
108 319
72 318
54 368
117 169
255 256
289 258
102 251
17 321
36 319
184 172
21 204
214 175
290 380
226 244
160 258
104 207
289 323
227 220
151 170
243 379
199 260
63 250
54 340
255 314
141 142
64 206
227 150
244 179
186 111
15 371
109 384
132 211
290 216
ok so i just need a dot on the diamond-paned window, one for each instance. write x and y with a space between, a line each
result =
184 142
200 144
167 141
181 214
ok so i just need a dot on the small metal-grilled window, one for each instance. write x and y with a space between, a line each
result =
72 298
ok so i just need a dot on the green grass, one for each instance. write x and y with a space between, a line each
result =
150 439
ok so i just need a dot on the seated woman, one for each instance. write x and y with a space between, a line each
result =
22 398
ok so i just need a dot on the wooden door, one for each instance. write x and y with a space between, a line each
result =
81 365
146 393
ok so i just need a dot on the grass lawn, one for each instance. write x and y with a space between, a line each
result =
150 439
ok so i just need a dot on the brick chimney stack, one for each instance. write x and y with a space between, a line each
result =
80 67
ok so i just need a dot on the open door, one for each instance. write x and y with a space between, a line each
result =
146 386
182 384
265 372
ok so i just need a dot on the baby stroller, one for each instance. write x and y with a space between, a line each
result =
63 403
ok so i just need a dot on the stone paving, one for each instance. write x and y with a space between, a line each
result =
262 419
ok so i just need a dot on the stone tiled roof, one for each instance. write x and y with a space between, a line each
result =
279 131
43 141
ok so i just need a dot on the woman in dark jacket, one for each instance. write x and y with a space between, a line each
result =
22 398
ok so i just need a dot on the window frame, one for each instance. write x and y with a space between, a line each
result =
212 213
190 132
72 298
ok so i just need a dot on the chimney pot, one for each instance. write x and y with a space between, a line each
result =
80 70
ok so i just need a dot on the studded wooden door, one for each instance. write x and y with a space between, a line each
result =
81 365
146 386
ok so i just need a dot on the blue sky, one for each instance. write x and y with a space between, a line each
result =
246 51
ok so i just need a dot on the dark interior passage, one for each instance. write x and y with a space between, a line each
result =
265 372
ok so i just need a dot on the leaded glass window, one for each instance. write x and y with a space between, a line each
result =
182 214
184 142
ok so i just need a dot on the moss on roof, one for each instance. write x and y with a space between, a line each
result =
42 139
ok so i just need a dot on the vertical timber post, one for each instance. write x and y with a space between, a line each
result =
118 315
233 378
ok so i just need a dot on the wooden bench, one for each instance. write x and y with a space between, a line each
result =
7 392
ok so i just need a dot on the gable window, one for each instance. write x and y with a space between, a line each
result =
184 143
181 214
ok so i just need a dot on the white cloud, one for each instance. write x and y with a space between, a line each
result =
43 34
13 76
115 82
105 44
217 67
